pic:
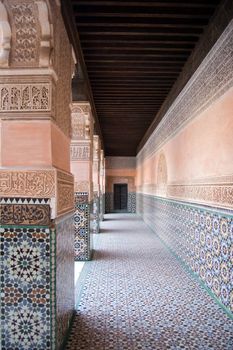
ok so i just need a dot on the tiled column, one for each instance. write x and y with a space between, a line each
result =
36 186
102 185
81 167
96 183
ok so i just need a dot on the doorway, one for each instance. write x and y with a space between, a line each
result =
120 197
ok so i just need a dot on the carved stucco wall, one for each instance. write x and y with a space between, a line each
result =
185 173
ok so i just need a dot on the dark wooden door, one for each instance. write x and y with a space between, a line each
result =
120 196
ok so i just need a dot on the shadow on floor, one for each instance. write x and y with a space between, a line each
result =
123 217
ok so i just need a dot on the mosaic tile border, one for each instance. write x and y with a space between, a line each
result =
82 240
202 237
64 229
132 202
96 214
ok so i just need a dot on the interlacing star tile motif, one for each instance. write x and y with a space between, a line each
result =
25 288
137 295
82 243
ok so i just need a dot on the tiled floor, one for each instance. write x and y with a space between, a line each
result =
136 295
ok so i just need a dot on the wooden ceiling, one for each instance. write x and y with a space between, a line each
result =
134 51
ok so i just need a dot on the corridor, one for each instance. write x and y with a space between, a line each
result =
137 295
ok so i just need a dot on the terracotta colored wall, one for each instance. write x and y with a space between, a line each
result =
34 143
204 148
120 170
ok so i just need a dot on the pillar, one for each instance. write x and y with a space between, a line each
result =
81 167
102 185
96 183
36 186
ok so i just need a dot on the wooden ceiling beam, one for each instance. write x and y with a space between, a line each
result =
137 32
89 13
150 4
145 42
175 25
140 48
146 55
134 51
133 63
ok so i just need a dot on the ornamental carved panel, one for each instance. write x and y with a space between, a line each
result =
26 32
65 192
25 214
32 183
80 152
64 66
25 97
82 186
78 125
221 195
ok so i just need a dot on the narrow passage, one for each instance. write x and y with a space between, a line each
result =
137 295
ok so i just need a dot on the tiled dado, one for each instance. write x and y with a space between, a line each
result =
102 207
83 237
36 269
132 202
27 276
109 202
96 213
201 236
64 227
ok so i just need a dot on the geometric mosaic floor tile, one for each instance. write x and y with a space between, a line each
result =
136 295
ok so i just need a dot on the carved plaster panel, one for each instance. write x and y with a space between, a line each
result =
25 97
25 26
81 186
216 191
63 64
30 183
65 192
25 214
54 184
79 152
78 126
219 195
82 123
31 40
